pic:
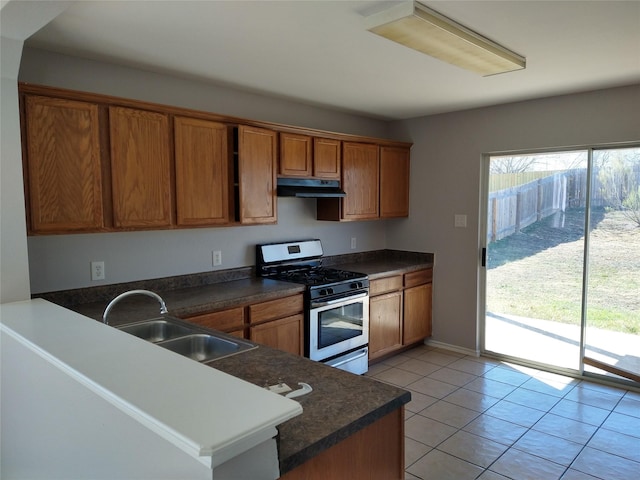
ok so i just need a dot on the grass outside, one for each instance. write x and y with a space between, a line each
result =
537 273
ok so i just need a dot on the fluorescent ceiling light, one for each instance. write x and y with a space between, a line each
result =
420 28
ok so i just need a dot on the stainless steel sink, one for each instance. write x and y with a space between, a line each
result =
204 347
156 330
200 344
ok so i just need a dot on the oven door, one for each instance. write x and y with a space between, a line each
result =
338 325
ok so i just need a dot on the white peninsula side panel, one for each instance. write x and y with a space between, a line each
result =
81 399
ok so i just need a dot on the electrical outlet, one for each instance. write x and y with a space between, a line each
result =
353 243
460 221
97 271
217 258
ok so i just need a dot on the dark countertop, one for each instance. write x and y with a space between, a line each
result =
193 300
341 403
189 295
383 268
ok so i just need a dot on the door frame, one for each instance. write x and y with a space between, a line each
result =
482 270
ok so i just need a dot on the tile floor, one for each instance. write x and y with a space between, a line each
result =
478 418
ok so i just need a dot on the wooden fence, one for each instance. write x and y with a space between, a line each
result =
514 208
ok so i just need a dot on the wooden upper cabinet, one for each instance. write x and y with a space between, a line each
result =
326 158
394 182
204 170
305 156
257 154
62 165
295 155
140 168
360 177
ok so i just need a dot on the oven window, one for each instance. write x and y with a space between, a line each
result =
339 324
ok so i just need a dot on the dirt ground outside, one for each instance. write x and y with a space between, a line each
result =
537 273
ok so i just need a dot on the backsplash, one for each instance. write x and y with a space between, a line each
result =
69 298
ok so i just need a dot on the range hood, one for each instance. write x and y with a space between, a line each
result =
309 188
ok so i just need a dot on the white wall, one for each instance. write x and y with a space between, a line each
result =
445 173
18 20
62 262
14 275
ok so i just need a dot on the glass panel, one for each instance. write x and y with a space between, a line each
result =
535 256
612 339
340 323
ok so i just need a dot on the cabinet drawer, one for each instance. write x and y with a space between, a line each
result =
225 320
282 307
383 285
418 278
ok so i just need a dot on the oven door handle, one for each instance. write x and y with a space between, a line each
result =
339 300
349 358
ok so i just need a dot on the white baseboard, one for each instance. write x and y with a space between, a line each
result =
453 348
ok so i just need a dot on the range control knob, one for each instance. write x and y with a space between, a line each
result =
355 285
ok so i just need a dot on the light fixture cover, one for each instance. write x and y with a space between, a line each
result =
425 30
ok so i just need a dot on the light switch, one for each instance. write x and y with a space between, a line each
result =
460 221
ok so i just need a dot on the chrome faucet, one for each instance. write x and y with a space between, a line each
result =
163 306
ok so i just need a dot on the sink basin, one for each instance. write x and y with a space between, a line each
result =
204 347
156 330
192 341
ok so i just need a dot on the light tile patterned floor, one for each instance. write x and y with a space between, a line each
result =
478 418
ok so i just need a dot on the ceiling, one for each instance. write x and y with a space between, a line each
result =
320 53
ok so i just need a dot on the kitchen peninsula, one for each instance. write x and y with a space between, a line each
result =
348 421
341 405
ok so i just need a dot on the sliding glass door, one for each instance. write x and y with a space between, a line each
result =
562 259
612 333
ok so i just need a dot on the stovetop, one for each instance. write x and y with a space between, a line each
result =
317 276
301 262
325 283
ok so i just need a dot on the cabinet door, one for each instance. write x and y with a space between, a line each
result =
295 155
327 157
228 321
417 314
140 168
385 324
284 334
394 182
360 177
63 165
203 166
257 175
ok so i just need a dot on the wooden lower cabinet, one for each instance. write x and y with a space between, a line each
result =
417 314
229 321
385 324
275 323
374 453
284 334
417 306
278 323
399 311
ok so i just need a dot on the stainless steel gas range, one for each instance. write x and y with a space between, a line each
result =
336 330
